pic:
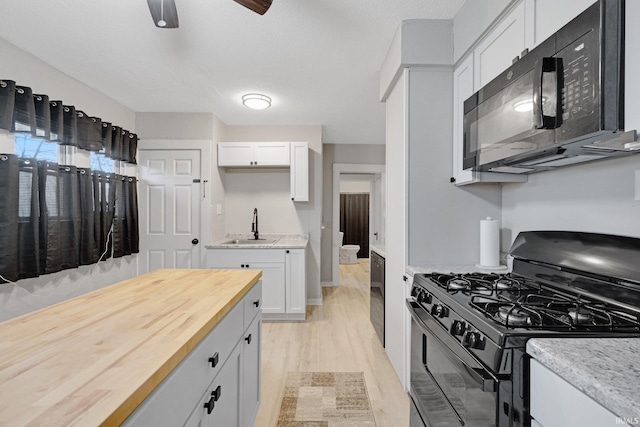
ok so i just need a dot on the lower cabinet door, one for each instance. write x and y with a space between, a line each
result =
220 405
273 286
251 355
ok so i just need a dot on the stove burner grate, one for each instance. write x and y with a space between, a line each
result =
554 312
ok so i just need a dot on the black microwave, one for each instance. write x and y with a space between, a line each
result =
562 103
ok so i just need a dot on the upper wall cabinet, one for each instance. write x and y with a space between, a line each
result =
251 154
497 50
492 55
300 171
256 155
551 15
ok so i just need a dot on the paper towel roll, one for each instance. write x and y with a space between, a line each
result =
489 243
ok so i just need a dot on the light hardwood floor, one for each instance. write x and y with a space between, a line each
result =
336 336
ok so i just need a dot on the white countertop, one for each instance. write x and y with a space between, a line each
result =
605 369
282 241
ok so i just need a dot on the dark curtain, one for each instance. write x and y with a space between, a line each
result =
9 181
55 217
28 220
354 221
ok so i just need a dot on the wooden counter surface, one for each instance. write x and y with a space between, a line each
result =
91 360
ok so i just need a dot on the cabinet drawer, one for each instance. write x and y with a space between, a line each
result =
235 258
252 303
172 400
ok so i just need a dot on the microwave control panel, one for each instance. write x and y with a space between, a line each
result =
580 75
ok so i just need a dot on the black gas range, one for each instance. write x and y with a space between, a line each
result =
469 331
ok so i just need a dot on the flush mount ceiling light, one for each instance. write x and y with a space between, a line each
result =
256 101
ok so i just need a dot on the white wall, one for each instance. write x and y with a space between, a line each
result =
32 294
355 183
269 191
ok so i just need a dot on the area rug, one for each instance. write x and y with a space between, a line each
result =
325 399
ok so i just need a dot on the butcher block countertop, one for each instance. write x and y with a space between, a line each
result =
91 360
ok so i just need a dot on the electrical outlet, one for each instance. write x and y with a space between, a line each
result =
218 209
638 185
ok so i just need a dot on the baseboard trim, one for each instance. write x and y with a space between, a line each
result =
326 284
314 301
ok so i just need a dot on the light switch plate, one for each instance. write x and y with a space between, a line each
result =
638 185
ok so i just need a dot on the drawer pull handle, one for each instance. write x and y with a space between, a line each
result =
214 360
215 395
257 303
248 339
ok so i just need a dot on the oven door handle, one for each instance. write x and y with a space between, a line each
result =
487 381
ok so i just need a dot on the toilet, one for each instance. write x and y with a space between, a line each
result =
348 253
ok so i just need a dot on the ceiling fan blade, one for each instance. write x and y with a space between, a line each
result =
258 6
164 13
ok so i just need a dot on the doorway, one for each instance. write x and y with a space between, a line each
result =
173 202
375 175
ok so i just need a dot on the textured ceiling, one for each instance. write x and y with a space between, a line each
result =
318 59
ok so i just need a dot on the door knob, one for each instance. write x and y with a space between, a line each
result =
195 241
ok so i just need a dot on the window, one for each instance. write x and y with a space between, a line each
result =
100 162
35 148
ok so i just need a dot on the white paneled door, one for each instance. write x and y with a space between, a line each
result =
170 197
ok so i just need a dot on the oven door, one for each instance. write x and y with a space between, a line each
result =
448 386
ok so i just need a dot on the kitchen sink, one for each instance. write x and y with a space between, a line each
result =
249 242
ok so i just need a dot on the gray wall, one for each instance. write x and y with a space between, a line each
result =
443 219
364 154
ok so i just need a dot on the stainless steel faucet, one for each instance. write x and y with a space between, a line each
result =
254 224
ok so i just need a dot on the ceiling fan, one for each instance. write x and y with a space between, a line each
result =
165 14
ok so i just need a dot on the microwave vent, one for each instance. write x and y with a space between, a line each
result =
566 161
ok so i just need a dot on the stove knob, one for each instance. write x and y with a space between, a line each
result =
473 340
439 310
424 297
415 292
458 327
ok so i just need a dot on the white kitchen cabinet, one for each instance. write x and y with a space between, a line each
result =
254 154
296 281
283 277
551 15
556 403
212 376
493 54
300 171
496 51
251 372
463 88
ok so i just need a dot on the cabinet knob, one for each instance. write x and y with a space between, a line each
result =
257 303
248 339
195 241
241 265
247 265
292 198
214 360
287 250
